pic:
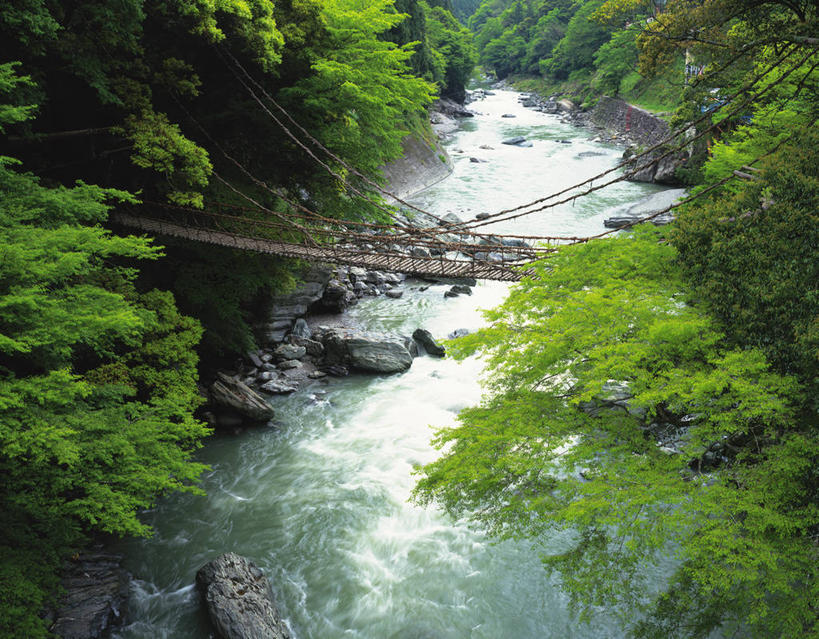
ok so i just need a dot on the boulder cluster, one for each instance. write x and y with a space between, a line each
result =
297 351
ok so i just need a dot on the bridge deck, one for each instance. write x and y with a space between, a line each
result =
350 256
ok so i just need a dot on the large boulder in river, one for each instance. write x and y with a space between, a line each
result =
371 352
232 395
425 339
239 600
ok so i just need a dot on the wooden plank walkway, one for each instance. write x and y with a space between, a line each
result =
346 255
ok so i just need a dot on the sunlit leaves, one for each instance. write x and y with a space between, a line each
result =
607 397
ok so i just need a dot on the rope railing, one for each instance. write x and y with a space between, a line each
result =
254 226
449 249
492 218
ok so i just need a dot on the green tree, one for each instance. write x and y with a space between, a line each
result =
453 51
620 429
754 258
577 48
615 60
97 383
360 86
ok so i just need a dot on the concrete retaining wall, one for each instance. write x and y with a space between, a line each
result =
422 165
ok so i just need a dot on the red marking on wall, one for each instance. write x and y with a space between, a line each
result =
628 118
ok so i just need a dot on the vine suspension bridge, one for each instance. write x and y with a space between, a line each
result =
454 250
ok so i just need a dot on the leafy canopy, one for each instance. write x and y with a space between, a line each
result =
97 383
620 429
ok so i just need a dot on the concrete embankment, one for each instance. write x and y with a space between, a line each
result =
423 164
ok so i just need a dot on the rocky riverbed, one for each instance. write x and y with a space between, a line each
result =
316 496
615 121
307 337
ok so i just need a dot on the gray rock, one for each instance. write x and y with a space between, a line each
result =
393 278
451 293
418 251
255 359
290 364
239 600
372 352
425 339
301 329
276 335
514 141
234 396
509 115
411 345
96 594
614 391
458 332
313 348
454 281
266 376
289 351
375 277
337 298
357 274
278 387
394 294
619 222
337 370
317 375
461 289
281 314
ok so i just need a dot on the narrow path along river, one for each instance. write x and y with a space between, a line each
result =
320 503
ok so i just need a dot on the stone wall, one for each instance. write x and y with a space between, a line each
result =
422 164
640 128
627 120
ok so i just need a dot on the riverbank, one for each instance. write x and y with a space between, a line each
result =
616 121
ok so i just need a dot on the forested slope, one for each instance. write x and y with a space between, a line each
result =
100 332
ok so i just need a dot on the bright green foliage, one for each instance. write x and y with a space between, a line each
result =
361 85
252 21
754 257
97 386
583 37
452 50
615 60
160 146
463 9
706 469
9 82
517 36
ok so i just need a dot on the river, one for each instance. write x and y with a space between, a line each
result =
320 502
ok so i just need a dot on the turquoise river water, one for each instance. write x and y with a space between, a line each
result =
320 502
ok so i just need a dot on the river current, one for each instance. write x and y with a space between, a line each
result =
320 502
